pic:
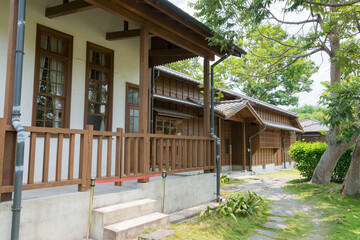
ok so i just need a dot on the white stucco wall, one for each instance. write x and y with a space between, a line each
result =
91 26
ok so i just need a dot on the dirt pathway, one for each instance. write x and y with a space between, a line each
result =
271 188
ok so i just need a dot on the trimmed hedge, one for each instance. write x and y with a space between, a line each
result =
307 155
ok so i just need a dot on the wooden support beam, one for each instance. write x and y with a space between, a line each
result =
126 34
67 8
144 80
206 98
244 146
169 52
170 35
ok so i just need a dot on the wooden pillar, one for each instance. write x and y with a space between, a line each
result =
206 99
144 99
244 146
8 146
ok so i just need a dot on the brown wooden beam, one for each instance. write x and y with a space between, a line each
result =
126 34
67 8
170 36
206 98
169 52
244 146
156 61
144 79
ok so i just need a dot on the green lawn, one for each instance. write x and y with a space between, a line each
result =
292 173
340 215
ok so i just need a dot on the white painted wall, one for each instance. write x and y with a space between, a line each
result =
85 26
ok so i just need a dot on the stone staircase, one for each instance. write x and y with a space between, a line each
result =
126 220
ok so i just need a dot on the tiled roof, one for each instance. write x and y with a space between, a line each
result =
235 94
228 108
312 125
281 126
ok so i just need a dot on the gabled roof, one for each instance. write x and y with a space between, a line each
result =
232 93
281 126
312 125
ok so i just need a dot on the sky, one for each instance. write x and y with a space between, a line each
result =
321 60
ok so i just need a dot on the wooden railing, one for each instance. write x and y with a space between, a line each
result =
59 157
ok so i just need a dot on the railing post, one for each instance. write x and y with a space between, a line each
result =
84 160
145 158
119 156
90 138
2 150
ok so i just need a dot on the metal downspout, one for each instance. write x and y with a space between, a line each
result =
212 128
16 208
153 78
249 149
284 147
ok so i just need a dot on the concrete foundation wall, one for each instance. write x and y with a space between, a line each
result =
66 216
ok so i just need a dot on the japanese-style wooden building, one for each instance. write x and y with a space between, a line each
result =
86 106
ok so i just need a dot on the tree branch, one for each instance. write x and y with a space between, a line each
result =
276 40
287 65
295 23
335 5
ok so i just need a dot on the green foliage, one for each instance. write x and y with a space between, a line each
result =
308 111
191 67
307 155
240 205
224 178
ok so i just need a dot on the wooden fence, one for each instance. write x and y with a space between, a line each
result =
71 157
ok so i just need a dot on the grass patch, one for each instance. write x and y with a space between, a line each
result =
232 181
340 215
291 173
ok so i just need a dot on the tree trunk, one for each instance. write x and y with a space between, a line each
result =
352 179
328 161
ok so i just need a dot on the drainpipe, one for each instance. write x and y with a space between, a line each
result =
212 128
249 149
16 208
284 146
153 79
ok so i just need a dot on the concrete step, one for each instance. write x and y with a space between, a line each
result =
106 216
130 229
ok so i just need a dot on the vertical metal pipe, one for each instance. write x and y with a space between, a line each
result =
249 150
92 186
163 175
284 152
16 208
212 128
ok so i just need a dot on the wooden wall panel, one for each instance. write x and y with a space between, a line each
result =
237 143
273 116
270 139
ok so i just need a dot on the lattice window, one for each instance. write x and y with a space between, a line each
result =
133 108
169 126
52 89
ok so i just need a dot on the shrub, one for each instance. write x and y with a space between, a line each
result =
224 178
307 155
236 206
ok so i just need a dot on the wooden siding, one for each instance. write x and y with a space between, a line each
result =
270 139
273 116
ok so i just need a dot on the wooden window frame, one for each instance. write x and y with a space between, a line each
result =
96 47
171 119
130 105
65 123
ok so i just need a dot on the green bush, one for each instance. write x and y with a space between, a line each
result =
224 178
236 206
307 155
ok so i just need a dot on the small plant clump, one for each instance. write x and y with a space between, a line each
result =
240 205
224 178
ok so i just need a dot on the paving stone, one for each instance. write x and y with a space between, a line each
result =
157 235
278 219
274 206
283 212
259 237
277 225
267 233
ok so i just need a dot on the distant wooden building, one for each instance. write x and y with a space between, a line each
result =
178 110
312 131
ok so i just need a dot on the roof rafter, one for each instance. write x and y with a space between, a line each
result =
67 8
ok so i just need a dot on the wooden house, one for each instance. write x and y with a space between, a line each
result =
312 131
178 99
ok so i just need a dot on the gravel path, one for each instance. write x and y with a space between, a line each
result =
285 205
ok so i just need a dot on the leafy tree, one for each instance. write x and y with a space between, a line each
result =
251 73
309 111
331 28
191 67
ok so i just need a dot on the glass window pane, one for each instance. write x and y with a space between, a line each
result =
104 77
49 115
61 66
167 123
44 75
104 60
58 103
44 42
104 88
60 78
91 108
61 47
42 87
102 109
49 102
173 131
60 90
136 124
41 101
48 124
136 97
92 74
130 95
57 115
57 125
39 123
98 75
104 98
40 114
97 121
159 130
52 76
136 113
159 123
51 88
91 56
53 64
53 44
166 131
